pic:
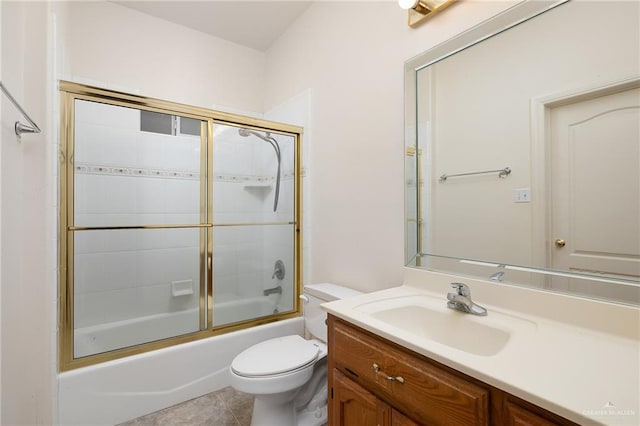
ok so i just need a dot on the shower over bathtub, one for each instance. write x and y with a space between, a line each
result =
172 218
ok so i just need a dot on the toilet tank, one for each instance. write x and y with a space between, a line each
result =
314 316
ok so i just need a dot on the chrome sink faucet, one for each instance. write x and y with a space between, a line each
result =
461 300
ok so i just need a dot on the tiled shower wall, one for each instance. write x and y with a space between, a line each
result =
125 176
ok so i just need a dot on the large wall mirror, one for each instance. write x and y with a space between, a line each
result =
523 150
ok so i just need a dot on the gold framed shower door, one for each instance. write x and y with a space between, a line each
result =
69 93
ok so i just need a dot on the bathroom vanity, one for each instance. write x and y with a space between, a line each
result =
401 357
376 382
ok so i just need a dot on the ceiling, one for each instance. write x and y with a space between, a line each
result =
255 24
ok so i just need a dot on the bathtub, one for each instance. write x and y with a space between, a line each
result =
126 388
120 334
228 309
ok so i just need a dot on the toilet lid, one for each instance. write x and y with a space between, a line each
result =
275 356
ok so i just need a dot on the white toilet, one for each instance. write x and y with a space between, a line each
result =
288 375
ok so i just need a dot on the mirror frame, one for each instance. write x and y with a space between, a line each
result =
509 18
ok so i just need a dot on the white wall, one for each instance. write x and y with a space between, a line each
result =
27 200
108 44
351 55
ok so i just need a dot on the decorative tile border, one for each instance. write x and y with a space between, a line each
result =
93 169
129 171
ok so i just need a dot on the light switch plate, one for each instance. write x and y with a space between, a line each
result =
522 195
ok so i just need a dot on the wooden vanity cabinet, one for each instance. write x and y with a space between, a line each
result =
374 382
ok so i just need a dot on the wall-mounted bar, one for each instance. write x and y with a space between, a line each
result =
19 127
502 173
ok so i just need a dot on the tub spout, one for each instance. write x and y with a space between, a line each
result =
275 290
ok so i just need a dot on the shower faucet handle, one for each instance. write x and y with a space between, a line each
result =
278 270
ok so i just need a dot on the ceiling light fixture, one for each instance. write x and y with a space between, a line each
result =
420 10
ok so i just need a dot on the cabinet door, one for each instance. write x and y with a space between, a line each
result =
353 405
399 419
520 416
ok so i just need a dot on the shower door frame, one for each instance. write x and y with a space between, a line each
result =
69 93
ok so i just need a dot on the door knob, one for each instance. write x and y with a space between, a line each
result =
560 242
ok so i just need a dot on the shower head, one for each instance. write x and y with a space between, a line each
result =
274 143
246 132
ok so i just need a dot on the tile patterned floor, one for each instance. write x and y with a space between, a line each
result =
226 407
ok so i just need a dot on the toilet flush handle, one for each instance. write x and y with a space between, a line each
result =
304 298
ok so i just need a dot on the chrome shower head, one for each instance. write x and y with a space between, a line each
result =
246 132
274 143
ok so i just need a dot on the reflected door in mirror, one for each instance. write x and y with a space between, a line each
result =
595 182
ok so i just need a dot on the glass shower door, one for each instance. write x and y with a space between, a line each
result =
162 240
254 193
137 237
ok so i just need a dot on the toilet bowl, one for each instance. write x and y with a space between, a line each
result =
288 375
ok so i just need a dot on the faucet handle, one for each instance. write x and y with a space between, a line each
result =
462 289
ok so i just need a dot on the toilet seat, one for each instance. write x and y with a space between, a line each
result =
273 357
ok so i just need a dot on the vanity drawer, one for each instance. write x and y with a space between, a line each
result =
423 391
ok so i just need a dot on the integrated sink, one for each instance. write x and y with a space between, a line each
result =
429 318
450 329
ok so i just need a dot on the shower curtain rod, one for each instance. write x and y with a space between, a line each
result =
19 127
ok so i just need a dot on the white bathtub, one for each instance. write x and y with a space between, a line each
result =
228 309
121 334
123 389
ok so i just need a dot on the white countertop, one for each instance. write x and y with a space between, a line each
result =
576 357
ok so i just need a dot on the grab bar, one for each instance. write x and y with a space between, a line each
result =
19 127
502 173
